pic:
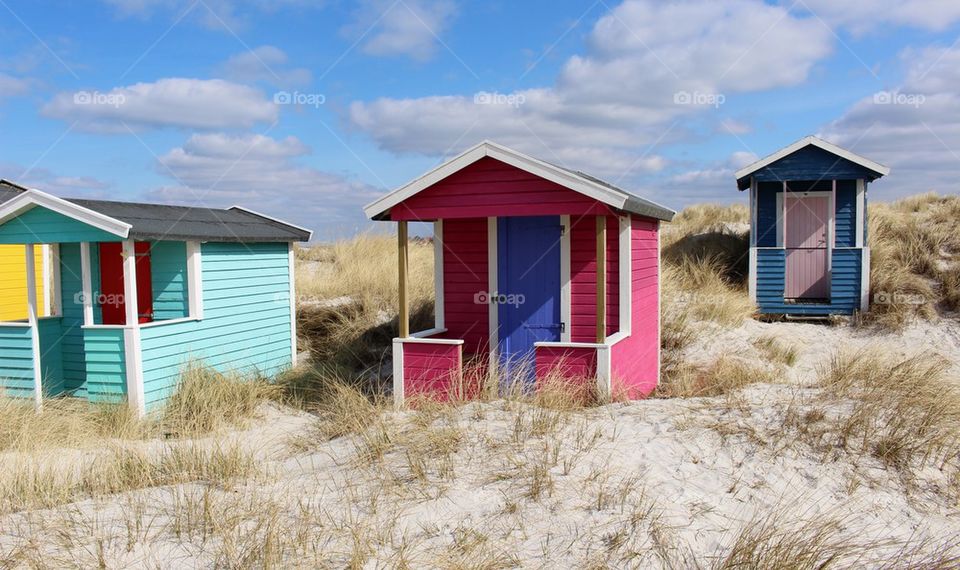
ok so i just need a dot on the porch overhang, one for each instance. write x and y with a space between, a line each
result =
31 199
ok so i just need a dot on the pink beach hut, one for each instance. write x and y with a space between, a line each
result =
538 267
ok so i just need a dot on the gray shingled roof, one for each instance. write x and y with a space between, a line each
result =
9 190
156 221
635 204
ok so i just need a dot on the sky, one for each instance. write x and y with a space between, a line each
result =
307 110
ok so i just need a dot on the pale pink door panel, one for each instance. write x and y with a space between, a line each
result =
806 243
807 274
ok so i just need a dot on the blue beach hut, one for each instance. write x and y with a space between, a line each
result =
808 229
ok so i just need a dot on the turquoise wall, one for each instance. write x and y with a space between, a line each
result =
71 346
105 365
40 225
16 361
168 264
51 359
246 324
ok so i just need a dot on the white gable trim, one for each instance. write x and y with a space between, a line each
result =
513 158
272 219
33 198
817 142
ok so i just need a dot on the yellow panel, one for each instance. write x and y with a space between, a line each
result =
13 282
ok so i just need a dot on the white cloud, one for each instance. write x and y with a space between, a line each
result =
67 186
173 102
11 86
268 64
410 28
865 16
262 173
649 65
224 15
914 128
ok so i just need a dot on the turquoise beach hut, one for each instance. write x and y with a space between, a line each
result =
142 290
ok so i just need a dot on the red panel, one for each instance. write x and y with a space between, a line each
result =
433 371
489 187
112 305
635 360
465 275
570 362
583 277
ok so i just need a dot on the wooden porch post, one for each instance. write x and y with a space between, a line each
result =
601 279
403 271
34 324
131 331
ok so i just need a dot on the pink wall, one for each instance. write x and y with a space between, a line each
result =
464 275
572 362
635 360
432 370
583 277
489 187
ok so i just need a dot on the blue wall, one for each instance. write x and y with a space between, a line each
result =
246 324
844 284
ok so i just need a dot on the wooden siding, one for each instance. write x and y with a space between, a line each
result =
490 187
464 275
13 282
844 284
71 345
583 278
40 225
845 212
246 325
168 261
812 163
51 356
16 362
635 360
432 370
845 228
105 364
767 213
579 363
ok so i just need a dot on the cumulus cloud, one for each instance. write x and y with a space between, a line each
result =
173 102
410 28
68 186
263 173
913 128
268 64
11 86
648 65
864 16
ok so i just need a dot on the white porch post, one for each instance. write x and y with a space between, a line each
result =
34 325
85 276
131 332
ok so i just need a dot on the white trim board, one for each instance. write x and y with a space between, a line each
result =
625 251
291 266
545 170
439 312
272 219
398 392
34 198
32 318
133 354
566 289
819 143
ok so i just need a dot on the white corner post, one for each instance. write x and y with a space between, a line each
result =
752 268
626 275
56 284
861 242
439 320
291 266
659 302
131 331
195 279
566 289
398 392
31 266
87 282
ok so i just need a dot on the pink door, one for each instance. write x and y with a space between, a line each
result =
806 245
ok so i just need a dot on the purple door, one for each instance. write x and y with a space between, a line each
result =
807 275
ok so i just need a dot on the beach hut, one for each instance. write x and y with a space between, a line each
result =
141 292
538 268
13 277
808 229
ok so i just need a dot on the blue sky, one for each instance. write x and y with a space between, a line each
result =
308 110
